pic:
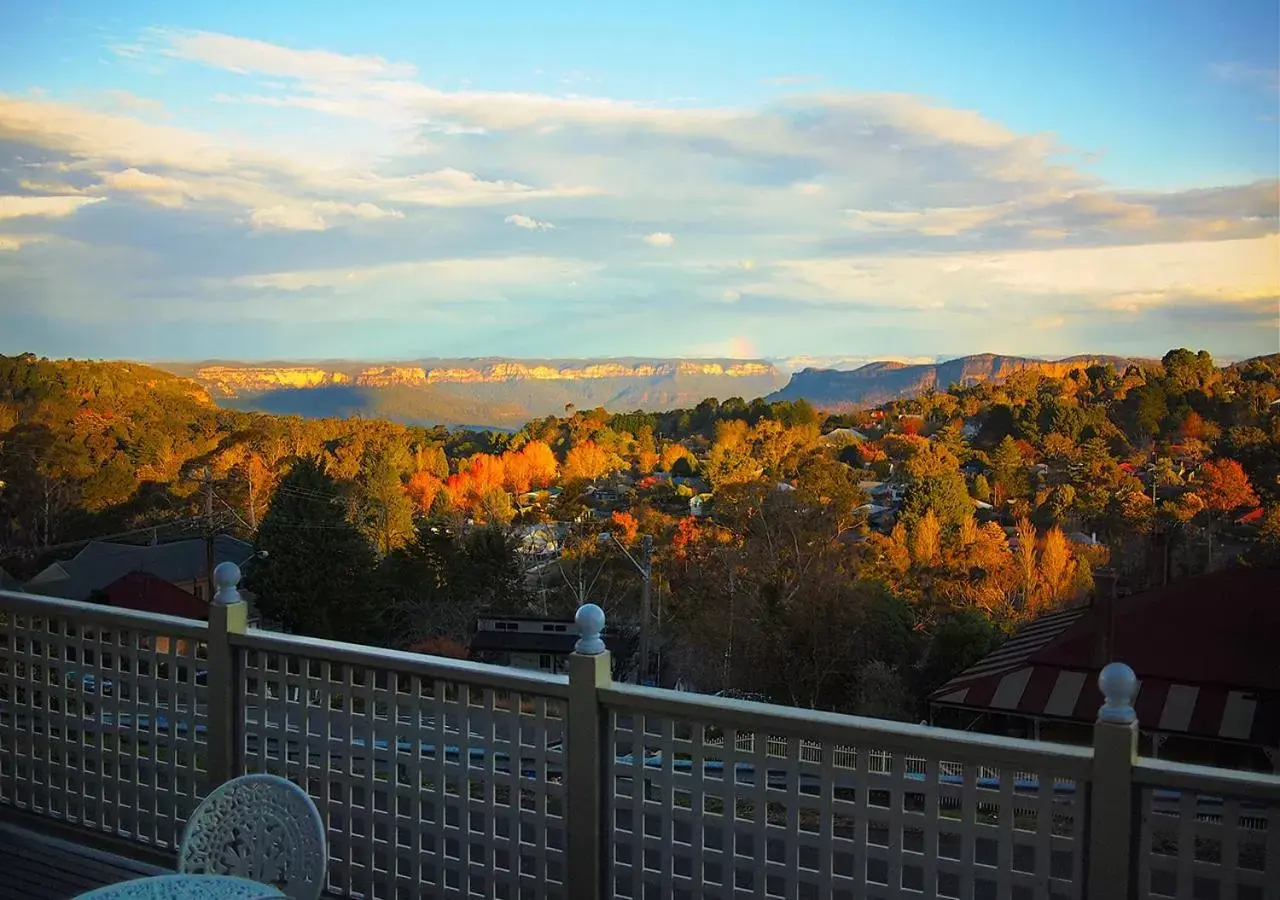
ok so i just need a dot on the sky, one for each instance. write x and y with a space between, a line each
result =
400 179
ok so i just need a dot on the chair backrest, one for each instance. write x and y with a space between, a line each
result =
259 827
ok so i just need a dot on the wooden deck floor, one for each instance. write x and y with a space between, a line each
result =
37 866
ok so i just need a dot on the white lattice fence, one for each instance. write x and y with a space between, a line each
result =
102 716
811 805
1207 833
435 779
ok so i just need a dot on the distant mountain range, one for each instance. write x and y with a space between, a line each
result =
880 382
503 393
506 393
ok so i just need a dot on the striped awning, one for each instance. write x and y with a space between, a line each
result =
1054 693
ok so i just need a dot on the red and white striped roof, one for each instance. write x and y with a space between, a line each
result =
1203 649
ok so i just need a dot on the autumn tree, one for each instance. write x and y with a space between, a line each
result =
1224 487
423 487
926 539
587 462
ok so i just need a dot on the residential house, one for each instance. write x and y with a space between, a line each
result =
1203 649
183 564
527 642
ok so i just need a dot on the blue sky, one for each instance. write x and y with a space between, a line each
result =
396 180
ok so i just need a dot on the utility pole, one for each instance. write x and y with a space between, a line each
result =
208 534
646 601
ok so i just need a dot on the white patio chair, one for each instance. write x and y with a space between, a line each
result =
262 828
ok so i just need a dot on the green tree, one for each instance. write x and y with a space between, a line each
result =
981 489
934 482
318 576
1012 481
383 509
960 639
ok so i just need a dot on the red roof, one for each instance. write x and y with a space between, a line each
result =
1252 516
1218 628
1203 650
149 593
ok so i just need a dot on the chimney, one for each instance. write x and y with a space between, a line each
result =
1104 599
1158 565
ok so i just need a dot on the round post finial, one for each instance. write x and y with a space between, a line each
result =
590 622
226 579
1119 686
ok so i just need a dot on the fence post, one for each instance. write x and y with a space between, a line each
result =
228 614
589 670
1112 841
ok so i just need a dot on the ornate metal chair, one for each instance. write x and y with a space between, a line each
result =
262 828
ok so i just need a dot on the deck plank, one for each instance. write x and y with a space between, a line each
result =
35 866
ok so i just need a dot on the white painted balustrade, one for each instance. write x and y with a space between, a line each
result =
442 778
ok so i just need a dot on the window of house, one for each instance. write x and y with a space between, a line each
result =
544 661
554 627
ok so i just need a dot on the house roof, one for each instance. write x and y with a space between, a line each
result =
1252 517
8 582
100 563
523 642
149 593
1203 650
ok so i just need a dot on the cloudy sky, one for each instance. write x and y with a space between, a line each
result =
404 179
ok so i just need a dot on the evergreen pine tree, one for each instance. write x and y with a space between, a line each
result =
318 576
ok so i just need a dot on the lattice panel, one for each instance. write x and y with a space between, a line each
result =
703 811
102 727
461 795
1195 845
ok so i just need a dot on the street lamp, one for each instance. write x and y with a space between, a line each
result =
644 565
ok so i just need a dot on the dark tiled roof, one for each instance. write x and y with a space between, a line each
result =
101 562
522 642
8 582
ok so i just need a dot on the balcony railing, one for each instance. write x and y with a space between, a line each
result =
440 778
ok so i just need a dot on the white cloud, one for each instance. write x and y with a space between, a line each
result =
659 239
523 221
12 243
43 207
1265 77
1225 271
238 54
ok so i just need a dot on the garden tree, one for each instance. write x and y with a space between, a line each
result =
934 482
318 576
981 489
672 454
1025 557
1057 569
588 461
1224 487
646 450
960 639
493 507
443 580
1135 512
1056 505
880 692
423 487
830 489
728 465
1147 407
431 459
926 540
1187 371
381 507
1010 468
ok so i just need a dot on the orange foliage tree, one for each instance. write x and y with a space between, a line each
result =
1224 486
423 488
587 461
